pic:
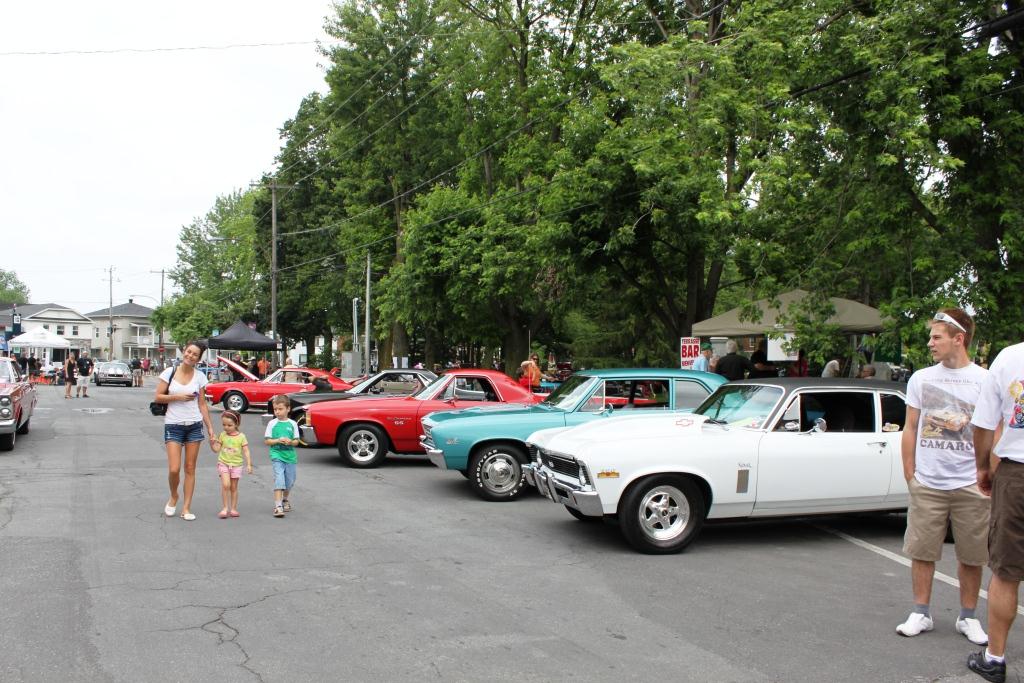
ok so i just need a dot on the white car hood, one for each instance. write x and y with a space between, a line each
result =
583 438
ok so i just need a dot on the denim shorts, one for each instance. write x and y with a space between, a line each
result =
184 433
284 475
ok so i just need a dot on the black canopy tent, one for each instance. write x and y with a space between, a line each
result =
240 337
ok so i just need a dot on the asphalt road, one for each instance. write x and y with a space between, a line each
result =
402 574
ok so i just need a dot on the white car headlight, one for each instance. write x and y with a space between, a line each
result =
5 400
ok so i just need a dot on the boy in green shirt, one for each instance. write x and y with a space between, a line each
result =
282 436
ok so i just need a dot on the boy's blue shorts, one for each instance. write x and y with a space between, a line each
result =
284 475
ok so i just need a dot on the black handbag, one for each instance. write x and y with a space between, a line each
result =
160 409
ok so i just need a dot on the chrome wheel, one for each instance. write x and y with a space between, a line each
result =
663 513
236 402
496 472
362 445
500 473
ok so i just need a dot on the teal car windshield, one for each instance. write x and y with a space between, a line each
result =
741 405
571 392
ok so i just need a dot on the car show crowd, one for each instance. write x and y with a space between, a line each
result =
953 436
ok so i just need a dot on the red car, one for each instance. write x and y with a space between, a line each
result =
365 431
17 402
254 391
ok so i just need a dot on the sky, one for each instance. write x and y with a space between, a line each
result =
105 157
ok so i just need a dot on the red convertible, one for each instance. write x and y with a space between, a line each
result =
365 431
254 391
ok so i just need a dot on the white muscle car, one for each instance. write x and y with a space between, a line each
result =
756 448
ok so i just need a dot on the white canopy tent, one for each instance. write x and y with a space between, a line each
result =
39 339
852 317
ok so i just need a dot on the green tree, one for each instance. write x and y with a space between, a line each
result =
221 272
12 289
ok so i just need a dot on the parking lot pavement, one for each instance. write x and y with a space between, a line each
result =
401 573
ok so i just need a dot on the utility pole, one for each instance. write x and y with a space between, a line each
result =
274 187
110 317
367 302
357 362
273 272
160 332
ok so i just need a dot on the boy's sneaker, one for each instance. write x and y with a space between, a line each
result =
288 508
990 671
971 628
279 511
915 624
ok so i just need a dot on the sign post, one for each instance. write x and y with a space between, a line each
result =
689 349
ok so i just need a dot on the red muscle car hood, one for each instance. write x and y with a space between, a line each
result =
240 369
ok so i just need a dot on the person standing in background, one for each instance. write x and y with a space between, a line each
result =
84 374
732 365
703 362
70 368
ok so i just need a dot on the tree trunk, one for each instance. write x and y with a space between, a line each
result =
399 335
515 346
329 348
431 352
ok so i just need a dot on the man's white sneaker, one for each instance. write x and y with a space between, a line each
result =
915 625
972 630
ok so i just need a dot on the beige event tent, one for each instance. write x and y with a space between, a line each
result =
851 317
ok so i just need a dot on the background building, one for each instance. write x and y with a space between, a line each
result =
60 320
132 336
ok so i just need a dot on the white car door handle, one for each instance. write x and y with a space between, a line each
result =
876 443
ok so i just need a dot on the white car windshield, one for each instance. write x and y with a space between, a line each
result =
430 390
741 405
571 392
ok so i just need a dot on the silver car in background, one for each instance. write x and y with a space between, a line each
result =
114 372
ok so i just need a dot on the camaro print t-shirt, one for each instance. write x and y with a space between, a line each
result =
944 456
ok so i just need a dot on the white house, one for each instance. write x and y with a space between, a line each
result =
60 320
132 336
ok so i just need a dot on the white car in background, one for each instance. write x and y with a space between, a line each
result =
756 448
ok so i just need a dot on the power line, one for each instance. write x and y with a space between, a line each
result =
150 50
436 177
317 129
289 43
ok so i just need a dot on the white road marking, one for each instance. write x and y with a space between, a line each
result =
944 578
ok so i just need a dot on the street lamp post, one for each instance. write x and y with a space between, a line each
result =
357 366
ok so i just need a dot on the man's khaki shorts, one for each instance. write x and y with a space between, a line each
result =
966 507
1006 536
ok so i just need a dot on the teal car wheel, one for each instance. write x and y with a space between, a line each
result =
496 472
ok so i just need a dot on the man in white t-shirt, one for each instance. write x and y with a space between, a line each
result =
938 464
1001 473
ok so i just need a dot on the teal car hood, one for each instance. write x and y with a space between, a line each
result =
494 410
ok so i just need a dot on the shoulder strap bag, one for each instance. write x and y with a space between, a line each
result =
160 409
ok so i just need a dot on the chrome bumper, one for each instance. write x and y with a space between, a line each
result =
8 426
558 491
307 435
437 457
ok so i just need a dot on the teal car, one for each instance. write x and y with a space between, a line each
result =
488 444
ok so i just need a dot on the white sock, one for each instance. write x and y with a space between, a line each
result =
992 658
